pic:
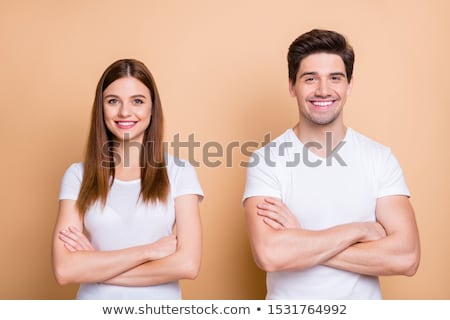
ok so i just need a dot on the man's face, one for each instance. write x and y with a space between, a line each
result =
321 88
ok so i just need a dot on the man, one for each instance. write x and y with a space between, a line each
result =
327 208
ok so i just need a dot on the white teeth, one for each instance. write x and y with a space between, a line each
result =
322 103
128 123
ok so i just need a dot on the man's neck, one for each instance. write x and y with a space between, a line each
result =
319 134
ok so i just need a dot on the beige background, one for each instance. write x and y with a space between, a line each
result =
222 74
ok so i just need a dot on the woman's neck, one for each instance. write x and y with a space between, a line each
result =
128 155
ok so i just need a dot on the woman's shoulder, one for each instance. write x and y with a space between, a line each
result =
183 176
175 163
179 168
71 181
75 169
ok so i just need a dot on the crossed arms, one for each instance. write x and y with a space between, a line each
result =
389 246
170 258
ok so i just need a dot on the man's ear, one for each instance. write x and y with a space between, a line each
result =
350 86
291 88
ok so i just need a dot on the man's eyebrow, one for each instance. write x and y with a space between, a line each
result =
314 73
338 74
310 73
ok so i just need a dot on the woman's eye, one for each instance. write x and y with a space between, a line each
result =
112 101
138 101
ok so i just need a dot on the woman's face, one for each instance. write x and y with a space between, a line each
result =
127 109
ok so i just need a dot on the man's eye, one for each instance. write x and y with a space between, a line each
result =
311 79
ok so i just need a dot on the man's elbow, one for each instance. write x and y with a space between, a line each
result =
265 264
412 262
61 280
408 264
267 261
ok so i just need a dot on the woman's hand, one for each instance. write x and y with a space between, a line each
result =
75 240
162 248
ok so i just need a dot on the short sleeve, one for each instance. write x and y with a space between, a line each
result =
187 181
261 179
391 180
71 182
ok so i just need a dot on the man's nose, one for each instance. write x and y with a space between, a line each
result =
323 88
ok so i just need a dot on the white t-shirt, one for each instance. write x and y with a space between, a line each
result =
126 221
322 193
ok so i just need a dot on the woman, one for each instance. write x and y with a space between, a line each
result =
115 231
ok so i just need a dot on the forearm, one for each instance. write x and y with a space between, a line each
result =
177 266
96 266
384 257
297 249
396 254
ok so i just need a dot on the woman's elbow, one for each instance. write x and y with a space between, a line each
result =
192 274
64 273
190 268
61 277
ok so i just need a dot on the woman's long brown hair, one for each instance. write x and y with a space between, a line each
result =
99 163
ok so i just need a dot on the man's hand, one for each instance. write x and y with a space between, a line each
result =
277 215
373 231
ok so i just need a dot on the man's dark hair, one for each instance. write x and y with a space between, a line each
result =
319 41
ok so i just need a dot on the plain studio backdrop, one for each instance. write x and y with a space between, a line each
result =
222 74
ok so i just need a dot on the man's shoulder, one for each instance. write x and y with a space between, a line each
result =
278 142
364 142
